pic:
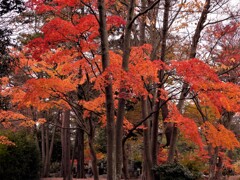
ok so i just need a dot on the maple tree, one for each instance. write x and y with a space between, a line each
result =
227 67
91 59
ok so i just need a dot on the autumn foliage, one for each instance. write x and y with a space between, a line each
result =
61 70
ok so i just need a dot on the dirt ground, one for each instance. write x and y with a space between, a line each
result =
76 179
102 178
234 177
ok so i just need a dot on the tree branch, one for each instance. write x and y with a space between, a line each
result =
143 12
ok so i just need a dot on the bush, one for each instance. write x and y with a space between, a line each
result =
22 161
195 164
173 171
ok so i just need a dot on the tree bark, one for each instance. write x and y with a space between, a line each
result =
212 161
92 150
43 146
161 79
65 136
121 101
125 162
111 151
80 153
216 167
184 91
148 174
46 161
51 145
219 169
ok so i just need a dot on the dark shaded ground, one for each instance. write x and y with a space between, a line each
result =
78 179
103 178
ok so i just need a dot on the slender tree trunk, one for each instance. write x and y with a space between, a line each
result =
51 149
164 109
161 78
125 162
93 158
46 161
226 121
111 150
80 153
147 162
150 134
119 134
184 92
65 135
154 137
213 162
219 169
43 147
92 150
35 129
173 142
148 174
121 102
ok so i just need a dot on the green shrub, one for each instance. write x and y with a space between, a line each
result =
20 162
173 171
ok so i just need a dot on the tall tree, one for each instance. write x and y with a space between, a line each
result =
111 149
112 54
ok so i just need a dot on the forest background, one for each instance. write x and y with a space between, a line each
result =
118 83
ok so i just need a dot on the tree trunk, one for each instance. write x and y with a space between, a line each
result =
46 161
148 175
111 151
226 121
93 158
154 137
212 162
184 91
125 162
219 169
43 146
164 108
121 102
80 153
173 142
49 150
92 150
65 136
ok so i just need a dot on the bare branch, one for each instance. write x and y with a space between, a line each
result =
143 12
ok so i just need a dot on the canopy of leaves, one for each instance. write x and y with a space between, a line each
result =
219 136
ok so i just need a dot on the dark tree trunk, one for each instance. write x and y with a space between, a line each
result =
46 161
219 168
154 134
43 146
80 153
213 152
216 162
148 175
125 162
164 109
184 92
65 136
111 150
121 102
92 150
